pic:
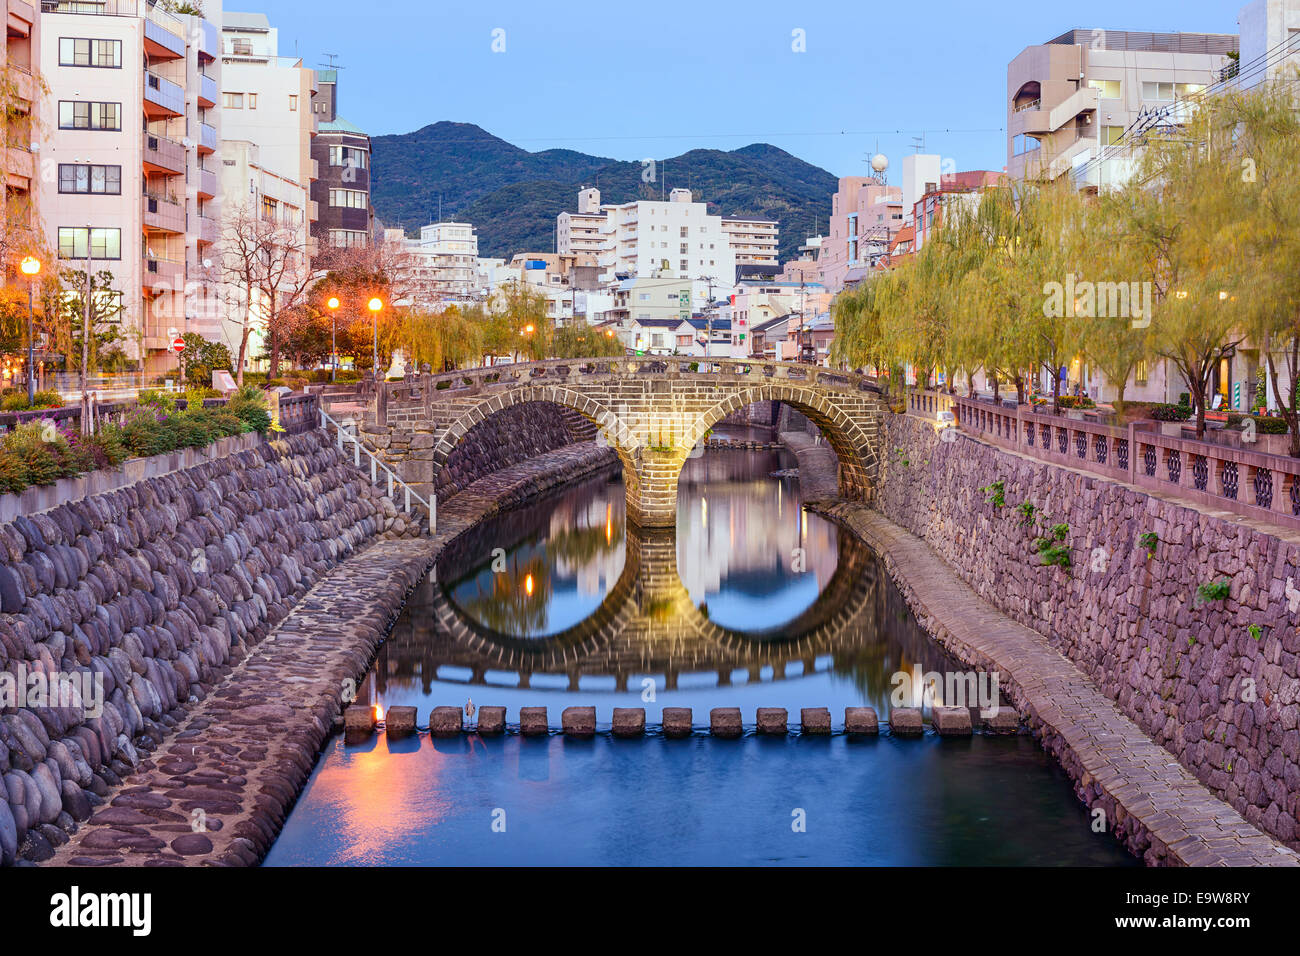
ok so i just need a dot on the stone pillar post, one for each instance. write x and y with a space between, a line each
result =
651 482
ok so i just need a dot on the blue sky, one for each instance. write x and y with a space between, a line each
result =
631 80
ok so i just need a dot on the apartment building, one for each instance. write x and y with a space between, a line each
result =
579 233
963 188
19 67
1070 98
865 214
342 191
131 126
674 238
1270 40
754 243
268 126
442 266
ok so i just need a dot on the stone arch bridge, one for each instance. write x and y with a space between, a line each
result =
651 411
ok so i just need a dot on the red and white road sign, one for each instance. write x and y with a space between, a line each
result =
178 345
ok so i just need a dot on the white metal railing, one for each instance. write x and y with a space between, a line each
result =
376 466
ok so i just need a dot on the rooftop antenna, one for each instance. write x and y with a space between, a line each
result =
918 142
333 61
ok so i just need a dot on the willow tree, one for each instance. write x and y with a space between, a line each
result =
1181 221
1116 344
442 340
859 326
1266 190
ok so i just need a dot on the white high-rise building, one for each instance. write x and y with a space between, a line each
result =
674 238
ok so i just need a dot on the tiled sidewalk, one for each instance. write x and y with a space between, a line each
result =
1155 806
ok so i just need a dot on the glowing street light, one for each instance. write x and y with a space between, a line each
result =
376 305
333 304
30 266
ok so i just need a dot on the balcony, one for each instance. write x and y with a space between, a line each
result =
209 40
164 39
19 165
158 275
207 139
207 183
22 17
207 91
162 214
24 87
209 231
162 98
162 155
1032 118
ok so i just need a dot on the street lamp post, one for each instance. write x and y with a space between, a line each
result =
375 305
333 304
30 267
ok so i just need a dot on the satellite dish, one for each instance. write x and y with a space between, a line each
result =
207 263
879 162
186 142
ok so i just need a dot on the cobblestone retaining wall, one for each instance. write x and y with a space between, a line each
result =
508 438
155 590
1216 682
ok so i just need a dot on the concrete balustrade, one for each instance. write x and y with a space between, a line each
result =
1248 482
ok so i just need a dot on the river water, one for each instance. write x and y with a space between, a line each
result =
753 602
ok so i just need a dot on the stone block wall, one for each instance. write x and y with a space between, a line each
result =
507 438
1216 682
154 590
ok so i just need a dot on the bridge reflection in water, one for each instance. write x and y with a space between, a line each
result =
565 596
715 615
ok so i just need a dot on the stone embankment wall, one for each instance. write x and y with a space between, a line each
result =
508 438
156 590
1216 682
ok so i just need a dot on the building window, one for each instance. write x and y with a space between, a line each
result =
293 102
103 243
1110 89
1157 91
348 237
75 51
241 46
85 178
1140 372
252 101
79 115
685 266
348 198
348 156
1110 135
232 101
1024 144
1185 90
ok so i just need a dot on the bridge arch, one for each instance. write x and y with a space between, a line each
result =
854 448
605 420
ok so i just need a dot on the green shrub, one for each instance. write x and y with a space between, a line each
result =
996 492
48 398
1052 549
250 408
14 403
1270 425
1170 413
164 402
1213 590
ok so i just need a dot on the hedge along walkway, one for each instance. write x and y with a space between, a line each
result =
1152 803
219 788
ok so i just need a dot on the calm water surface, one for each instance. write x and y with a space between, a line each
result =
752 602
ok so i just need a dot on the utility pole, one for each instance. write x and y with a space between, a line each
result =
87 413
708 316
